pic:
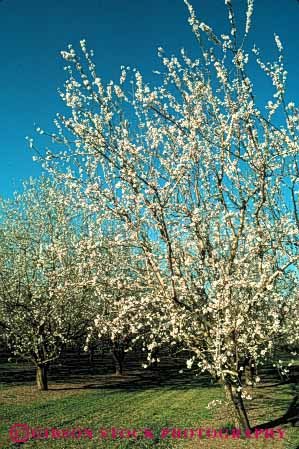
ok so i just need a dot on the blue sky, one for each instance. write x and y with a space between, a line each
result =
121 32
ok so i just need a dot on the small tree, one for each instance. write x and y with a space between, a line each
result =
44 299
205 184
119 285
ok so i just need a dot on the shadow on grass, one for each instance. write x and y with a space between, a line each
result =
75 369
291 416
138 381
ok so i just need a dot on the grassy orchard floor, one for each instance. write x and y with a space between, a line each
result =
140 399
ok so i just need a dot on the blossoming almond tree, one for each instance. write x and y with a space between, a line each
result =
44 293
205 184
121 281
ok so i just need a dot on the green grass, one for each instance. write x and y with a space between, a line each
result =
105 408
150 408
137 401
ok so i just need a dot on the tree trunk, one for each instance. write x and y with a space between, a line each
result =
118 356
238 406
42 377
249 371
154 364
91 356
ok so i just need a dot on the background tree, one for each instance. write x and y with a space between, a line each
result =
120 284
44 297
